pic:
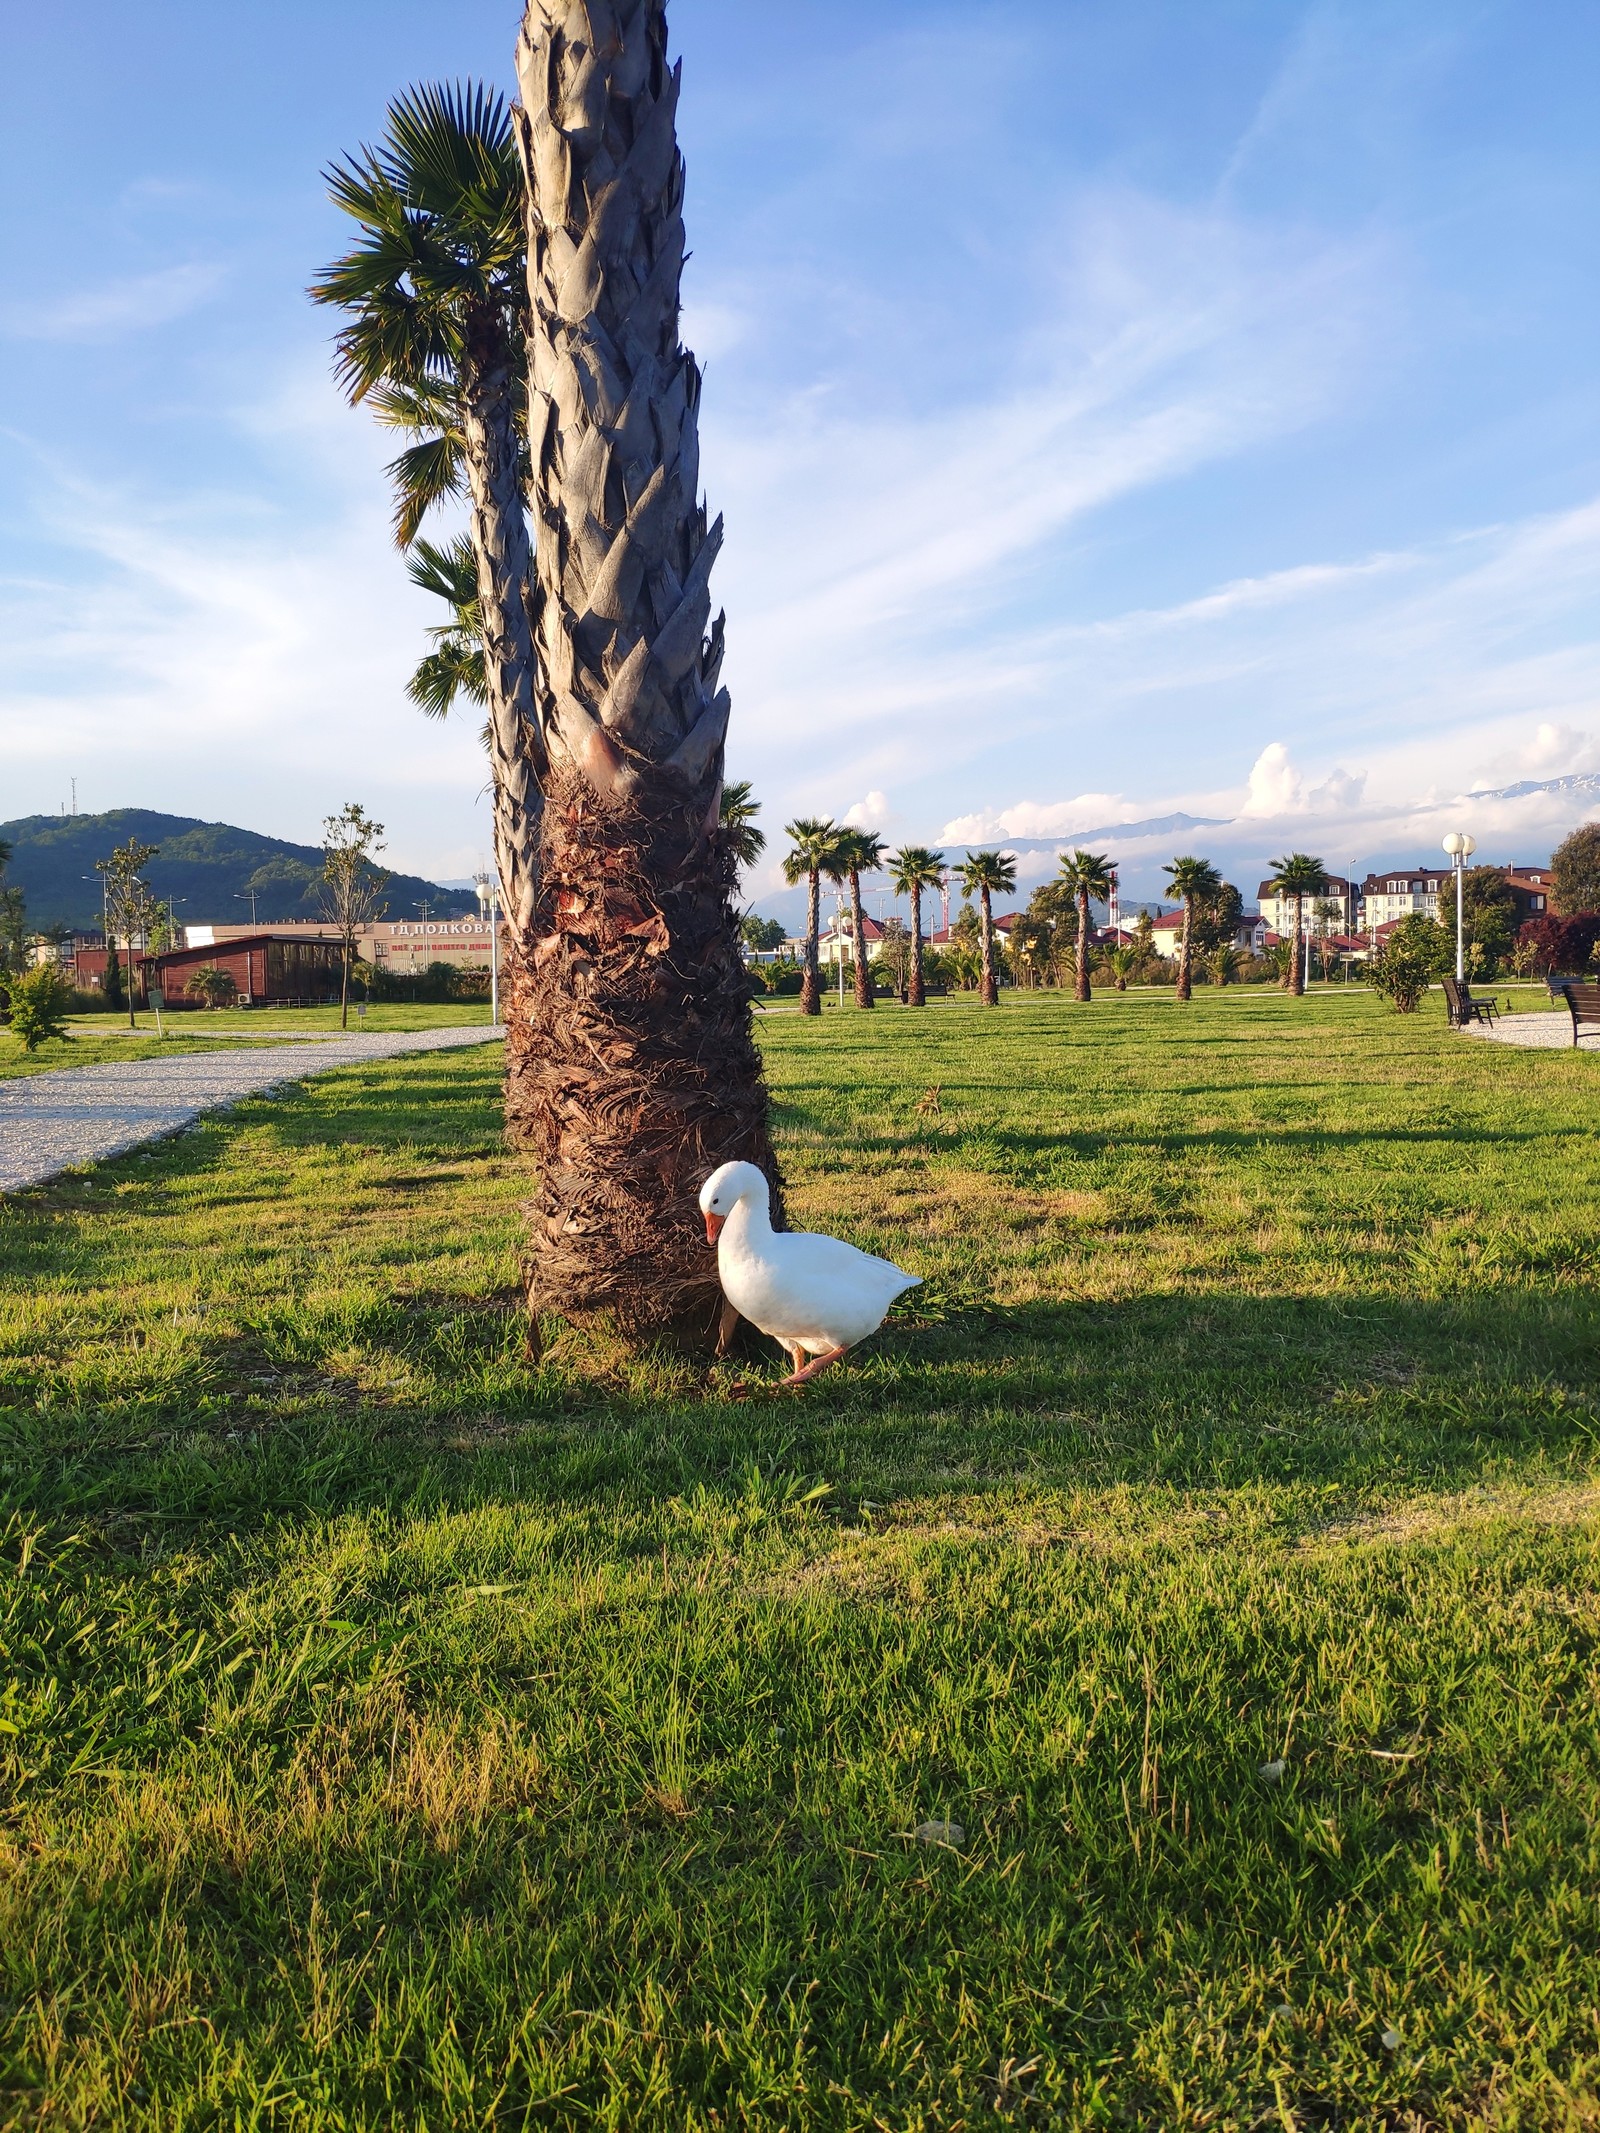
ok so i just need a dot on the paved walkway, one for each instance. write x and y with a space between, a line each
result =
55 1122
1545 1032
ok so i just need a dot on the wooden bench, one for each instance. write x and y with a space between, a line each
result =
1583 1004
1461 1008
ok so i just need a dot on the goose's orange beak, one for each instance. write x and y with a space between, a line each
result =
714 1227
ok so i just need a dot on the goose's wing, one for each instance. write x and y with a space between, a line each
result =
816 1285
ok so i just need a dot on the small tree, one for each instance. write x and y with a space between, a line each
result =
811 843
112 982
40 1002
1084 875
1550 944
130 908
857 852
1222 964
352 891
913 870
1196 882
986 875
1298 875
761 935
216 987
1121 964
1414 954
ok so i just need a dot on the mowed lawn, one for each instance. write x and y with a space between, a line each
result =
397 1735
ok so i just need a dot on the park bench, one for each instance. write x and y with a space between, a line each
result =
1461 1008
1583 1004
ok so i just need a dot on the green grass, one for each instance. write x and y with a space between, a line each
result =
98 1038
405 1737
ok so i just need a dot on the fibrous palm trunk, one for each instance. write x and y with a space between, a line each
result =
859 924
1297 968
811 983
1186 953
516 743
989 991
916 991
1080 966
645 1069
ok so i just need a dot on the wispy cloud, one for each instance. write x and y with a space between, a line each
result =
131 304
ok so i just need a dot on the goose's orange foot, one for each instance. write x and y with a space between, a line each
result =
812 1370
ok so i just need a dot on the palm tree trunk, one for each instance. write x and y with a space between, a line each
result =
1081 963
517 752
916 991
811 983
1297 974
863 972
642 1061
989 991
1185 953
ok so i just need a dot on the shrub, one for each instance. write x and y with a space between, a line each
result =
215 986
41 1000
1556 944
1415 953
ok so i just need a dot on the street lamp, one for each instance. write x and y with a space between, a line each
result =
1461 848
489 903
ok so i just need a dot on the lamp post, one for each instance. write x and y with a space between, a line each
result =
489 902
1461 848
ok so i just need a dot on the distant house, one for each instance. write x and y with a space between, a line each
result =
1401 893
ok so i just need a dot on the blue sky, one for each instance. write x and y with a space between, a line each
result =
1115 408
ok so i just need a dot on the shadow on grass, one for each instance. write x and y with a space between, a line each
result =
1190 1393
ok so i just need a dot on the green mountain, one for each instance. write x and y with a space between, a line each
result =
208 869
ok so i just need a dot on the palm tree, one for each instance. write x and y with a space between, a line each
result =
1222 964
986 875
856 852
435 299
1299 876
737 818
1124 962
648 1073
1085 874
810 855
1194 881
912 869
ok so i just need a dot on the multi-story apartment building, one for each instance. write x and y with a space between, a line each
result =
1278 911
1399 892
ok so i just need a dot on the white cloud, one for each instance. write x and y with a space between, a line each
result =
868 814
1033 818
1276 787
128 305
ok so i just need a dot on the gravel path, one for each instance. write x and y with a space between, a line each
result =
55 1122
1545 1032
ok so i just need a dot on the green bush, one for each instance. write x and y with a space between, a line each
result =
41 1000
1415 953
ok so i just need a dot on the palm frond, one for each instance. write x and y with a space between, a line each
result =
450 574
424 475
453 668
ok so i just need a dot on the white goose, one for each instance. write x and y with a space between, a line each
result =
817 1295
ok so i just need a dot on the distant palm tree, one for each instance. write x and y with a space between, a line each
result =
912 869
1084 875
857 852
737 816
435 296
1222 964
986 875
1299 876
1194 881
1123 963
809 857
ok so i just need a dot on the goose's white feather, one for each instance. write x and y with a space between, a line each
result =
813 1291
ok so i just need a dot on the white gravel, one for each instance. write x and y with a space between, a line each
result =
60 1121
1543 1032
